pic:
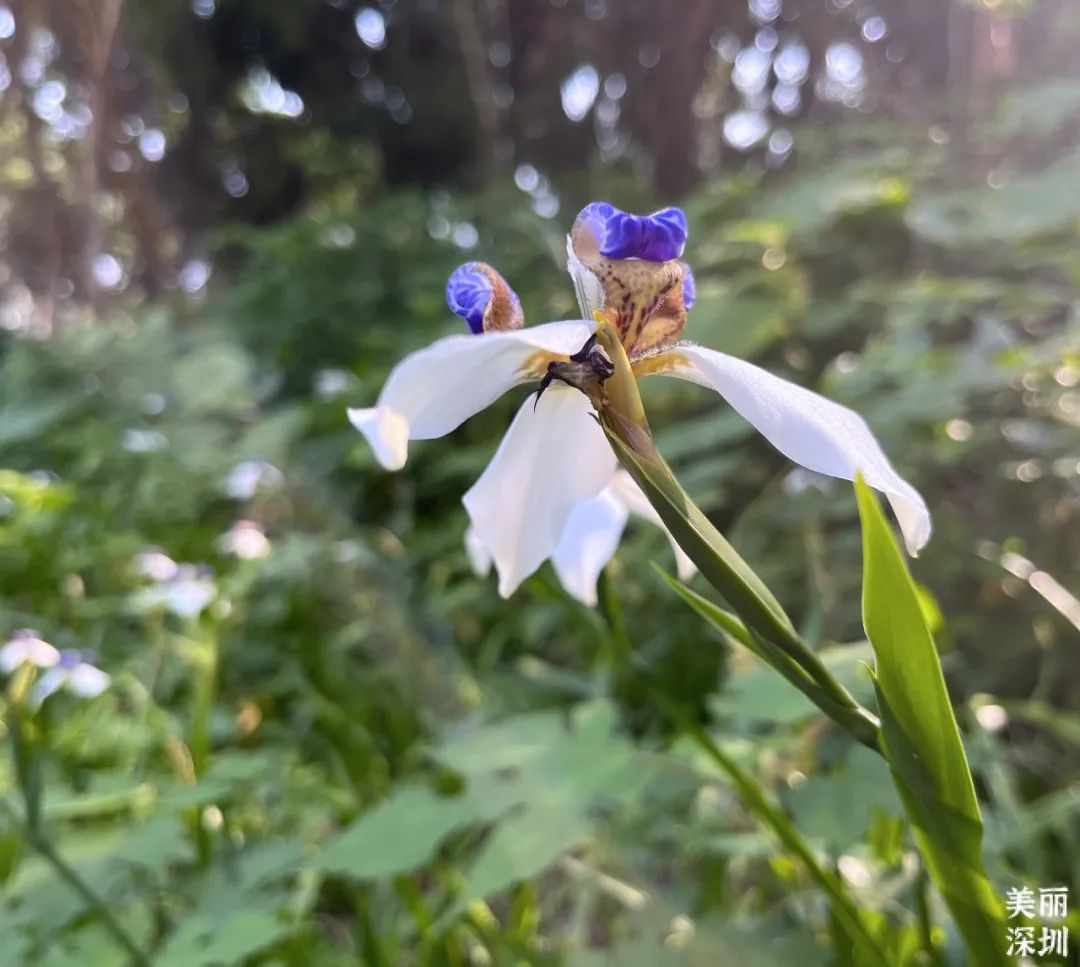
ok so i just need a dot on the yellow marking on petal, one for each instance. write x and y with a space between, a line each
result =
536 364
668 361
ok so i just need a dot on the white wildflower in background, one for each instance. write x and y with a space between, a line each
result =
139 440
155 564
186 593
249 477
331 383
69 669
245 540
74 672
25 646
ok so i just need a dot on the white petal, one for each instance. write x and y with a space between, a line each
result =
587 287
386 430
588 542
479 556
189 596
638 504
27 648
51 681
814 432
550 459
12 655
434 390
86 681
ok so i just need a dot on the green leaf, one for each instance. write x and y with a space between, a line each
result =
529 774
839 808
555 772
921 739
756 697
29 418
208 941
401 834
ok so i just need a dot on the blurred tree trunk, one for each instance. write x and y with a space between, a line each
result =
474 51
685 51
100 20
42 269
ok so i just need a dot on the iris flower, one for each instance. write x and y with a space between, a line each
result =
68 669
26 646
74 673
541 491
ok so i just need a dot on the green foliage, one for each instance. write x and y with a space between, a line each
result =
396 766
921 739
529 778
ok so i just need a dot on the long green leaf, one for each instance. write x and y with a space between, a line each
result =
921 739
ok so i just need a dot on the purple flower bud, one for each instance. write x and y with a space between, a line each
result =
472 288
659 237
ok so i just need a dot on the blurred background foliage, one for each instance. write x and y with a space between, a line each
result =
326 741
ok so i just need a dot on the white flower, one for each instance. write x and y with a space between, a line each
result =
24 646
155 564
245 540
139 440
590 538
187 593
249 477
554 457
73 673
330 383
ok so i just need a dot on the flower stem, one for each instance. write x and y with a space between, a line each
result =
754 798
623 420
27 773
47 850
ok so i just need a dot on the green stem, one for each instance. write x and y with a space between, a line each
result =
68 874
27 773
726 571
925 921
622 417
205 651
612 612
844 910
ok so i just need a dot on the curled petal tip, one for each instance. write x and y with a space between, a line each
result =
386 431
483 298
477 552
659 237
914 519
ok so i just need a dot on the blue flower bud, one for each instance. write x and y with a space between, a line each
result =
659 237
482 297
